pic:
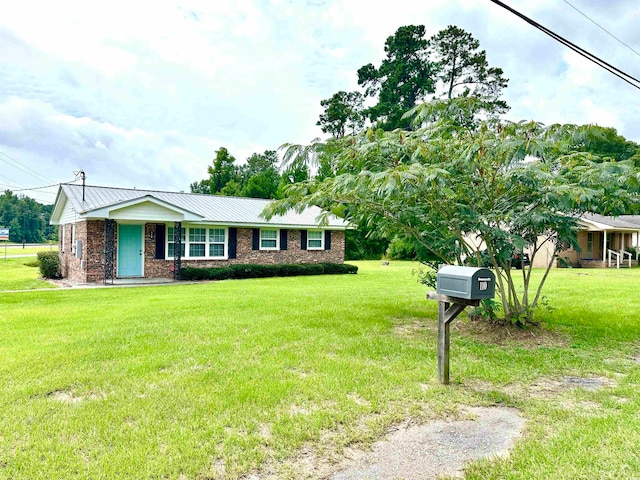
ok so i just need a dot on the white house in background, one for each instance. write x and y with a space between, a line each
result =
605 242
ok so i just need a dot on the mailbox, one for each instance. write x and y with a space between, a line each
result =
469 283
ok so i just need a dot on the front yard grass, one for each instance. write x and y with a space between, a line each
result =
21 274
218 380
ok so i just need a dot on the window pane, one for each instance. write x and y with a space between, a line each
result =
197 234
171 250
216 250
196 250
216 235
268 238
314 239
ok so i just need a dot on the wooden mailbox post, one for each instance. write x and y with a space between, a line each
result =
458 287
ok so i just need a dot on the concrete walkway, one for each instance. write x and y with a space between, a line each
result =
117 282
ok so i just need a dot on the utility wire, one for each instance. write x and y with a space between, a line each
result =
23 167
40 188
631 80
602 28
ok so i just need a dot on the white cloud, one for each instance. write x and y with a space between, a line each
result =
133 91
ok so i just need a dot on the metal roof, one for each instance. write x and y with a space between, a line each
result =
631 222
212 208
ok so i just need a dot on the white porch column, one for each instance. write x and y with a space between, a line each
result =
604 247
637 244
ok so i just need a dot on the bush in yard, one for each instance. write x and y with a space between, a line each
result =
49 263
264 271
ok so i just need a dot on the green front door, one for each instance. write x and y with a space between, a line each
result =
130 250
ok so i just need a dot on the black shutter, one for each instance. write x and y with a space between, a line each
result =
303 239
233 242
255 245
283 239
160 238
327 239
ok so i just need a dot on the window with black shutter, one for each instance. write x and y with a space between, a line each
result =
233 242
303 239
255 243
283 239
327 239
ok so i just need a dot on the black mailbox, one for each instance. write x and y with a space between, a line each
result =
470 283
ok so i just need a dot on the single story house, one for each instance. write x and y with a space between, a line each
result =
106 233
605 242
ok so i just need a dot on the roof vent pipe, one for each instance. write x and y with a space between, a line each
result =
82 175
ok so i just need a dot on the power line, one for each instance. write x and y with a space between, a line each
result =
40 188
23 167
631 80
601 27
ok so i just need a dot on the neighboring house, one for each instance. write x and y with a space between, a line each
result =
107 233
605 242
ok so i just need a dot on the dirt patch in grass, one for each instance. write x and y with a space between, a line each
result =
70 397
416 327
435 449
485 332
534 337
410 451
548 387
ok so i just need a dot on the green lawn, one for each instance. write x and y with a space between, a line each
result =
20 274
216 380
15 251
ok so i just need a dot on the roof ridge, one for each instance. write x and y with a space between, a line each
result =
168 191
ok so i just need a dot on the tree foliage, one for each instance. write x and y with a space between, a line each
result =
606 143
258 177
457 190
343 113
27 220
463 70
403 79
449 64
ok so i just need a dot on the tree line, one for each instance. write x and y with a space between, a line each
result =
422 82
26 219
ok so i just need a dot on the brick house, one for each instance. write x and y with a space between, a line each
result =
605 242
106 233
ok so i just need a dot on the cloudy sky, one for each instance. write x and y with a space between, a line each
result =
141 94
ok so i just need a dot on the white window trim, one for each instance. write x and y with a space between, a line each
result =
321 247
73 238
207 243
272 249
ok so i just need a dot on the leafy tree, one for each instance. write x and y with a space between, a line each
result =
457 191
233 188
606 143
403 79
463 69
203 186
262 185
27 220
342 112
221 172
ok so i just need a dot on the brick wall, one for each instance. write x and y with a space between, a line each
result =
245 254
91 267
70 264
